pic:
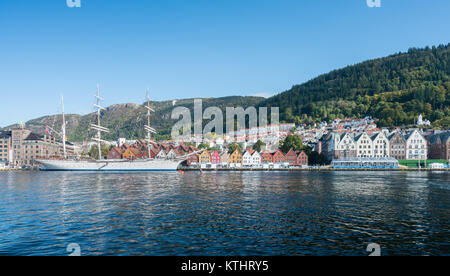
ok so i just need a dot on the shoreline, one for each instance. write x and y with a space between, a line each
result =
312 169
283 170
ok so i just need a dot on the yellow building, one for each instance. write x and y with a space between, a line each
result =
205 157
236 158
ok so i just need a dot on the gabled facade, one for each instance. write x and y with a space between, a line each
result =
132 154
225 158
302 159
397 146
266 157
247 158
291 158
236 158
115 153
439 146
380 145
345 147
216 159
205 157
256 159
364 145
278 157
416 146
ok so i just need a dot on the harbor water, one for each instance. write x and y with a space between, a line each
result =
225 213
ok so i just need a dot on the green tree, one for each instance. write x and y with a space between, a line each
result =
234 146
292 142
258 145
93 152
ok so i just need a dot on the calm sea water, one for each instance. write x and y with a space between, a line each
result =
248 213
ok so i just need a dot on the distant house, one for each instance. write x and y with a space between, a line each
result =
397 145
193 160
256 159
216 159
302 159
278 157
416 146
205 157
439 146
291 158
225 158
266 157
247 158
172 154
236 159
132 153
115 153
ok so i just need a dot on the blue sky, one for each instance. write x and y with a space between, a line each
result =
192 48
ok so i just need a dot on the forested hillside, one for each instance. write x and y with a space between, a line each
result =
394 89
129 119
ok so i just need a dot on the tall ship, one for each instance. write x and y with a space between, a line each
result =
146 164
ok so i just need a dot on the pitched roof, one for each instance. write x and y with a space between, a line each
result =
34 137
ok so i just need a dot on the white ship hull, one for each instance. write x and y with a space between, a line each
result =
110 165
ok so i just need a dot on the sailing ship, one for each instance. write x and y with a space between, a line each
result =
147 164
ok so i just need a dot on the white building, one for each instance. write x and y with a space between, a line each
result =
416 146
364 145
256 159
247 159
380 145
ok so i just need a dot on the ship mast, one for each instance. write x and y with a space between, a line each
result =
98 126
147 127
63 127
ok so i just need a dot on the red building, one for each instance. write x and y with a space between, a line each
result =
192 159
291 158
115 153
302 159
278 157
216 158
266 157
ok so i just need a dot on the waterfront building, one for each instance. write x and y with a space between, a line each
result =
132 153
278 157
5 146
225 159
205 157
18 135
416 146
256 159
397 144
236 159
364 145
439 146
115 153
302 159
172 153
345 146
291 157
266 157
247 158
193 160
216 158
380 144
37 146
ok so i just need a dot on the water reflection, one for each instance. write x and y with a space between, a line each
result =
236 213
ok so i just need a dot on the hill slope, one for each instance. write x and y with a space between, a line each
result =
129 119
394 89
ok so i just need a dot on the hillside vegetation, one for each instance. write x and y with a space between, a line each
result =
394 89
